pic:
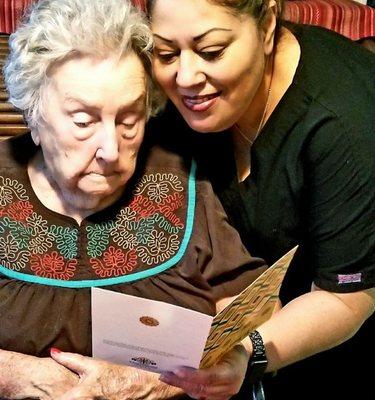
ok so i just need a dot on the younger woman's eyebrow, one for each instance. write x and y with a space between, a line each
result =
195 38
162 38
200 37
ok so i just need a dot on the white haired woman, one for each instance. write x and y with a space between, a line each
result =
74 214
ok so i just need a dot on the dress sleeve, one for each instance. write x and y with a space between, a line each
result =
222 259
341 206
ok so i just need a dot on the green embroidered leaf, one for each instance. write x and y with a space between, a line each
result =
21 233
98 238
66 241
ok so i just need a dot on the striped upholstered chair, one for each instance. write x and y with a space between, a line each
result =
347 17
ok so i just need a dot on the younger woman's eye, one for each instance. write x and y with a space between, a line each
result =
165 56
129 125
212 55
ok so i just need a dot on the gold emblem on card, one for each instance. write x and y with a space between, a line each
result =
149 321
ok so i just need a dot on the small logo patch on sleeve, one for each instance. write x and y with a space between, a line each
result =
349 278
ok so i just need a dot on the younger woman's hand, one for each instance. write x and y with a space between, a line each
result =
219 382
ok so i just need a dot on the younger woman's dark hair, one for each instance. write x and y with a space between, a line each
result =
255 8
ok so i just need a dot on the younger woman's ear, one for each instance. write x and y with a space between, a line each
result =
35 136
269 27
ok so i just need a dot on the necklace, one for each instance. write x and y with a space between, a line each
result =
260 126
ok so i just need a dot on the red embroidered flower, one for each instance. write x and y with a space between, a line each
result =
115 262
20 210
169 205
53 266
143 206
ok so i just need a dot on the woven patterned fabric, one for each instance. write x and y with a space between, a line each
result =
353 20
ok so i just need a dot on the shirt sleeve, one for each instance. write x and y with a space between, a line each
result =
341 206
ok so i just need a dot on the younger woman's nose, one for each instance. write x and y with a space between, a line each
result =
189 72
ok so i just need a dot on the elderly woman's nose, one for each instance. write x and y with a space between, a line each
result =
189 72
108 144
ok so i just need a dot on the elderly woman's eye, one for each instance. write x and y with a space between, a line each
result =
82 124
128 128
82 120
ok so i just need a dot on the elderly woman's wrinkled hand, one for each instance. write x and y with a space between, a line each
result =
106 381
219 382
24 376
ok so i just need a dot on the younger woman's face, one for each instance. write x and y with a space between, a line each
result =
208 60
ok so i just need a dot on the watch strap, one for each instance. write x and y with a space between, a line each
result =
258 360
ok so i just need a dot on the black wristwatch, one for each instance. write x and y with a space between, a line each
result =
258 360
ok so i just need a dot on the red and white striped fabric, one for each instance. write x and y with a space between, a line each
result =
353 20
10 13
12 10
141 4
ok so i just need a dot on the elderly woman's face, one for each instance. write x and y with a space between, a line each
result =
94 123
208 60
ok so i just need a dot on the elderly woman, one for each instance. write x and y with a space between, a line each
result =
74 215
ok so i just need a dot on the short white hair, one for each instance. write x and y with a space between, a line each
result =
55 30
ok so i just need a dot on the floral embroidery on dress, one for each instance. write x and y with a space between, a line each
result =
66 240
98 238
143 234
158 186
20 210
10 190
147 230
115 262
160 248
11 256
53 265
